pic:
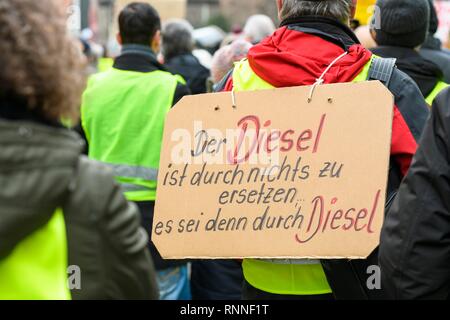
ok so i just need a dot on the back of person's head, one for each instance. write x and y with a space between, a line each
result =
41 64
177 38
139 22
258 27
341 10
403 23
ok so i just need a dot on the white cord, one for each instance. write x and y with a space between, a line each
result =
233 98
321 80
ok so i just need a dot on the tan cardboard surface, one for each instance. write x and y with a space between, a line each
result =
315 189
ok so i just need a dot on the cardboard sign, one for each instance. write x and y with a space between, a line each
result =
275 176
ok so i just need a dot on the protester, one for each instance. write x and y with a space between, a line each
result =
225 58
432 48
57 209
258 27
311 36
415 241
177 47
403 29
123 115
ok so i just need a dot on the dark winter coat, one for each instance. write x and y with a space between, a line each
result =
415 241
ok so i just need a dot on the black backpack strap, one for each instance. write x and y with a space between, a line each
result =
382 69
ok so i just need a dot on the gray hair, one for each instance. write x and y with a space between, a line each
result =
177 38
258 27
337 9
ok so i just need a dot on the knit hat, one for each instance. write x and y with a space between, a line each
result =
404 23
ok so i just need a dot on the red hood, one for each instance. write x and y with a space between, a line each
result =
293 58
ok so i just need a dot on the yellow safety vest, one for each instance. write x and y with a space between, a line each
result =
123 115
36 269
439 87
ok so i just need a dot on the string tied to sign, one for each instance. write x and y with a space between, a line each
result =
321 80
233 98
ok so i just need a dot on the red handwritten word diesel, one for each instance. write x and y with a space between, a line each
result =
263 141
352 219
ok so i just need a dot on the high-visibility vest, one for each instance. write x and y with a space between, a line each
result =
439 87
283 277
36 269
123 115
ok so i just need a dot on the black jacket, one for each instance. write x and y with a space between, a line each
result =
432 50
188 66
424 72
41 170
415 242
141 60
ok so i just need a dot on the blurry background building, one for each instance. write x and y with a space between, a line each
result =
201 12
100 15
443 10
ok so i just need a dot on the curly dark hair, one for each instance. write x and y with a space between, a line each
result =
41 62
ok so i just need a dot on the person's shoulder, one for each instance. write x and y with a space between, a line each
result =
403 86
94 182
101 76
442 54
98 81
164 75
409 102
400 80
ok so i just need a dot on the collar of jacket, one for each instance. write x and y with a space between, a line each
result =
327 28
138 58
23 134
13 107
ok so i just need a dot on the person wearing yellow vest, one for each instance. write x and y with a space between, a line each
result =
402 30
59 212
311 36
123 114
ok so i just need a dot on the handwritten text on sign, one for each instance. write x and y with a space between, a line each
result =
276 177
